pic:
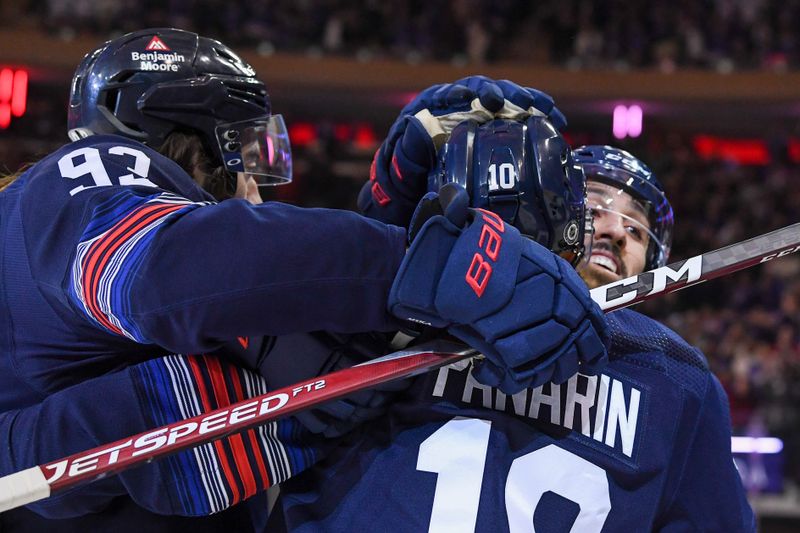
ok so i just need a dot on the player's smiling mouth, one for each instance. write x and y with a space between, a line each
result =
605 261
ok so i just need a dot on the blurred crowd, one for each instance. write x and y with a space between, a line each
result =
724 35
747 323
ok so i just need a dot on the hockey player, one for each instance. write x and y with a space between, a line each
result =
113 254
643 446
89 271
632 217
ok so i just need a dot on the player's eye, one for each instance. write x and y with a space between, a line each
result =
635 232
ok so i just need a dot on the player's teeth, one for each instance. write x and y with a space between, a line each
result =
604 261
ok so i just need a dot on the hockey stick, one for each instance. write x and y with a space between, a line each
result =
697 269
43 481
40 482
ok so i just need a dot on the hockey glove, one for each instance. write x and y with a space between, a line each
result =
399 172
293 358
522 306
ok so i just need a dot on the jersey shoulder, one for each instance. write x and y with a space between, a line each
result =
642 341
80 192
98 162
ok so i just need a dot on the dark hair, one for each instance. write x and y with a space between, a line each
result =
188 151
5 181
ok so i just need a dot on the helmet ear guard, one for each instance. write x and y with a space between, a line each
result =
524 172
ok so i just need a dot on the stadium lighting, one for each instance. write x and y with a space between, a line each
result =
13 95
19 93
627 121
760 445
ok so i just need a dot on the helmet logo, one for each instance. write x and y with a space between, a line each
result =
158 62
629 163
155 60
157 44
571 233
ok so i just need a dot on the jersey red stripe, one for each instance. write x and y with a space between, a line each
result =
262 469
96 253
251 436
92 274
223 457
101 251
237 444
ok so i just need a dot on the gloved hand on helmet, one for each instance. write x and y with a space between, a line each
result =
399 171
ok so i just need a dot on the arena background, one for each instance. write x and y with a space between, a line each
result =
705 91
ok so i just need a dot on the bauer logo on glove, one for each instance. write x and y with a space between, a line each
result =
480 269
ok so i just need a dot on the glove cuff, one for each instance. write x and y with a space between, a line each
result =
414 289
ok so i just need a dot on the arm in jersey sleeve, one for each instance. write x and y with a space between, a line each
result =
232 269
709 495
159 263
160 391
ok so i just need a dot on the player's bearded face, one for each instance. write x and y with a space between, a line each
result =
619 246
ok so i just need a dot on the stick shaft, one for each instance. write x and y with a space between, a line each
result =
126 453
698 269
39 482
112 458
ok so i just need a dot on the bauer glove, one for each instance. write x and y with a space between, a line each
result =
523 307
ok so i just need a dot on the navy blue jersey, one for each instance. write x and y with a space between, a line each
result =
226 477
110 249
644 446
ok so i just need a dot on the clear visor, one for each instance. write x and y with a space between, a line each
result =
634 216
259 148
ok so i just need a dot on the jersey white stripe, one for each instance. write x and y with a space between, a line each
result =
204 455
250 385
213 470
187 409
281 467
276 469
111 271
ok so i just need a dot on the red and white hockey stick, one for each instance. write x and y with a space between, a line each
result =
42 481
45 480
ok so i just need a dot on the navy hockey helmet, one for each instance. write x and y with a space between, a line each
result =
624 172
524 172
149 83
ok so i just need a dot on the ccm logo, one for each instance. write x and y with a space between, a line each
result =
780 254
480 269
